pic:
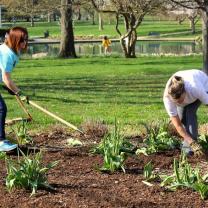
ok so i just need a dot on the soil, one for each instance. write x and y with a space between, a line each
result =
78 183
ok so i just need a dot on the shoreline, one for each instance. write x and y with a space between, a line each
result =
40 40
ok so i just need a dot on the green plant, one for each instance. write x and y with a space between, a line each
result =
202 189
28 173
148 172
203 141
21 133
157 139
113 150
126 147
3 155
185 176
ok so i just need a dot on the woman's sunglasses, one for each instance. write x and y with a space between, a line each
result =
24 39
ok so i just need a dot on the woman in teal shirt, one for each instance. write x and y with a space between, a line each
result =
16 41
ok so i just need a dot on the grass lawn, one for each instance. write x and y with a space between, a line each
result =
98 88
87 29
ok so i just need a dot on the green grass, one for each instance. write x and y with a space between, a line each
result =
82 28
98 88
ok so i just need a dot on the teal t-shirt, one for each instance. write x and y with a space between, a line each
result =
8 59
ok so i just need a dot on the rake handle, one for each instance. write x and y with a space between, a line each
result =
23 106
55 116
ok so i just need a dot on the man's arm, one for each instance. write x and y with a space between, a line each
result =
180 129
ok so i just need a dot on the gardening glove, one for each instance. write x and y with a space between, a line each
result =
23 97
8 90
197 149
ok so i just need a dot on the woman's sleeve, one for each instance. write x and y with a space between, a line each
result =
7 63
200 92
170 107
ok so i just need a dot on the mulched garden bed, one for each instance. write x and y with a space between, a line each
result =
78 183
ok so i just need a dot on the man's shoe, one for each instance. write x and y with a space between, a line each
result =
6 146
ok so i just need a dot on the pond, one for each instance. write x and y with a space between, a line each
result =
142 48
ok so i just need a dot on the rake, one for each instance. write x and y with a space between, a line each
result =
54 116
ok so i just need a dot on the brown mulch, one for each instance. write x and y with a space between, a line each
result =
78 183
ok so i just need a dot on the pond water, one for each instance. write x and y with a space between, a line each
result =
142 47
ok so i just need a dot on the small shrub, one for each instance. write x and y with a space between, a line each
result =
28 173
148 172
114 149
95 129
157 139
203 141
21 133
185 176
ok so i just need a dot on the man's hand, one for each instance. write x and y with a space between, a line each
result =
198 151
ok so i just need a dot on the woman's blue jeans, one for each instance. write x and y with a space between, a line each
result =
188 117
3 113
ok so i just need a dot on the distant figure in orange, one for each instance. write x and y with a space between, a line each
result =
106 43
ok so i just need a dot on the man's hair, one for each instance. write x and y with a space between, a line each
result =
176 87
15 36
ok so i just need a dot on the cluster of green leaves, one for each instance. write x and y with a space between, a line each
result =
148 172
21 133
114 149
157 139
186 176
28 172
125 146
203 141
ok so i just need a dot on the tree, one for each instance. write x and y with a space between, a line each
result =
202 6
180 14
90 10
133 12
67 48
29 8
23 8
193 16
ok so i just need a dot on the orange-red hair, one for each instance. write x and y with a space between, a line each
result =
16 36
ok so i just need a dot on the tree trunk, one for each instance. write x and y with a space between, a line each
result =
205 41
128 44
93 19
128 41
49 17
27 18
67 48
54 16
192 25
32 20
79 16
100 21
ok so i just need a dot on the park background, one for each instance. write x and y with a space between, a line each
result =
94 86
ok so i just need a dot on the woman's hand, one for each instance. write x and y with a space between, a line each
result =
197 148
180 129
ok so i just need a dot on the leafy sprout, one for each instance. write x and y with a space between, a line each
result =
157 139
186 176
114 149
28 173
21 133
